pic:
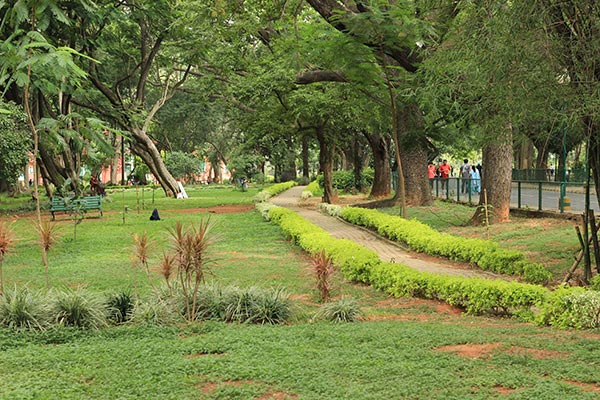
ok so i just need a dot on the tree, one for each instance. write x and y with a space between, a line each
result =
139 59
572 34
15 144
394 32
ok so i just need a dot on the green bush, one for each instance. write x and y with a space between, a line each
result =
156 311
475 295
314 188
346 309
345 181
274 190
572 308
256 306
23 309
422 238
120 306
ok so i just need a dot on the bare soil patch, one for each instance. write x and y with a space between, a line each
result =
486 351
586 387
209 387
473 351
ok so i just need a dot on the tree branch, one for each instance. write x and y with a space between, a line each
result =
307 77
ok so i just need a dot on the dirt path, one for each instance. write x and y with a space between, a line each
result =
387 250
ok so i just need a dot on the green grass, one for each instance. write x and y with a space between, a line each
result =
368 360
394 353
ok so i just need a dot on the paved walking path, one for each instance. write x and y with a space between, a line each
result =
387 250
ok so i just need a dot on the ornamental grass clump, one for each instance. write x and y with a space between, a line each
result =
78 309
346 309
6 242
256 306
23 309
120 306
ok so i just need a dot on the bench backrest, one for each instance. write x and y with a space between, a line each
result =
88 202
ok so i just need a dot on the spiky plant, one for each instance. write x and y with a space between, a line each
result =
78 309
23 309
120 306
6 242
167 266
192 259
346 309
48 236
142 245
323 271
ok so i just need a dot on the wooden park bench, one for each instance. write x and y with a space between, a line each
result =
83 204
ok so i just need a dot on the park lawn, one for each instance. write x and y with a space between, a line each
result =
403 348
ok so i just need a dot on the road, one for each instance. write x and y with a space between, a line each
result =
530 199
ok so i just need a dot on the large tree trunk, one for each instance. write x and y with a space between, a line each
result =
326 151
594 154
144 147
380 147
289 167
305 158
496 180
414 150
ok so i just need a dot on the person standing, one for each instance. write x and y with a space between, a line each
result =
465 175
445 169
475 180
431 173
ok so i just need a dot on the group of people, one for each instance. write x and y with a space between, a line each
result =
470 175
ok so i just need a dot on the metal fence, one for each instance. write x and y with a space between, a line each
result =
549 175
535 195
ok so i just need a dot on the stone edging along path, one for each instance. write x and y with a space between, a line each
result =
387 250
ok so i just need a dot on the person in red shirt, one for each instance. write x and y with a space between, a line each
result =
431 173
445 169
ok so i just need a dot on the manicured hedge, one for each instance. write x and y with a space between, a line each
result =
424 239
274 190
477 296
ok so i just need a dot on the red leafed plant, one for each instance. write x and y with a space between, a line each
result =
323 270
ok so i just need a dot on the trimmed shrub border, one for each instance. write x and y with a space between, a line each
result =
424 239
475 295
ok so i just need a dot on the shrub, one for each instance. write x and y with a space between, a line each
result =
314 188
572 308
120 306
346 309
263 209
156 311
323 272
306 194
332 210
23 309
345 180
257 306
303 181
78 309
422 238
274 190
475 295
210 303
